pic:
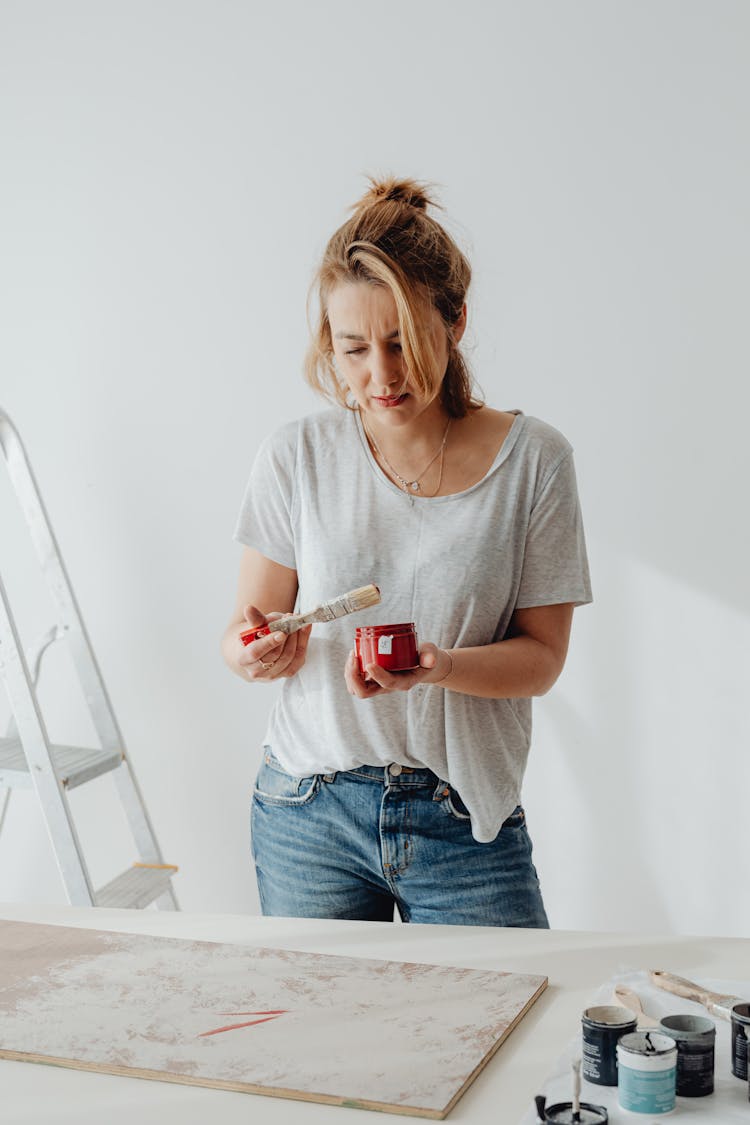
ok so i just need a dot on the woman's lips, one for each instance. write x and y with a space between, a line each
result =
390 400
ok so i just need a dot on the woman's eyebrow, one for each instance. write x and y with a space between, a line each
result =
353 336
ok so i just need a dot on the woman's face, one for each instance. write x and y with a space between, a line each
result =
367 349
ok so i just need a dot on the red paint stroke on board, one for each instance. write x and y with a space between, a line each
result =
266 1016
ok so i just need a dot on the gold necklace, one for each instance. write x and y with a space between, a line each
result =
412 486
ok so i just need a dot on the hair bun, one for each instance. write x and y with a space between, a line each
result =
389 189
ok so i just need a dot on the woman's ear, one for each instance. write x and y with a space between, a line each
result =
459 326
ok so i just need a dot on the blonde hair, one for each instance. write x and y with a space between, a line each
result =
391 241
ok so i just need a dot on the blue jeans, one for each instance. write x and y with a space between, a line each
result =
358 843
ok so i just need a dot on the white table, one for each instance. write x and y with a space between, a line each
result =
576 964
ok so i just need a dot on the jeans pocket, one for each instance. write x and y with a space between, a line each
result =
274 786
453 804
517 819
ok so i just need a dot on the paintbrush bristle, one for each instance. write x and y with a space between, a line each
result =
362 597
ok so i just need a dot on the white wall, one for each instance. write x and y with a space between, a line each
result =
170 173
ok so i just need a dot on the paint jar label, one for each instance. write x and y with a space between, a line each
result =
602 1028
644 1092
740 1043
695 1071
385 645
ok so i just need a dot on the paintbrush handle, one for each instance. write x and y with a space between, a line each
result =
632 1001
716 1002
282 625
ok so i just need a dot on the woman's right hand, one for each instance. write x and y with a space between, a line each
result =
275 657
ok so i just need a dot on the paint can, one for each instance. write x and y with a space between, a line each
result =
602 1027
740 1040
695 1037
393 647
647 1075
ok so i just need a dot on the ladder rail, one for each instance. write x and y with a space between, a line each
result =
70 621
33 732
70 626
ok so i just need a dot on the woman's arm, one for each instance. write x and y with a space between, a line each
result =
264 582
525 664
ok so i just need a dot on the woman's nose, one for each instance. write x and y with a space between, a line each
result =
386 369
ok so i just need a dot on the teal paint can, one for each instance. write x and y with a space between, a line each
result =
647 1073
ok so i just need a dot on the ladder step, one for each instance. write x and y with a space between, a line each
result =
73 764
136 887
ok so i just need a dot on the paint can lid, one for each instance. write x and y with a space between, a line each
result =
380 630
562 1114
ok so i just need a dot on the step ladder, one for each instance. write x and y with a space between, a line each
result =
28 758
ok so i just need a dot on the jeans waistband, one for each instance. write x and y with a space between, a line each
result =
393 774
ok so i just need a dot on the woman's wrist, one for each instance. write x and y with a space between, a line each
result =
447 673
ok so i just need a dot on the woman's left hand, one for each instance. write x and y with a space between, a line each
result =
435 664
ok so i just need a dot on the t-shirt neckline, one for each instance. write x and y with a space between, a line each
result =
502 455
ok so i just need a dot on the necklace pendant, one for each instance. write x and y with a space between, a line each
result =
414 486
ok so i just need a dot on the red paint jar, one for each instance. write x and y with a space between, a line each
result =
393 647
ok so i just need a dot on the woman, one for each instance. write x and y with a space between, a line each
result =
402 790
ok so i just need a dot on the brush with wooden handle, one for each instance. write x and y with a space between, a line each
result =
632 1001
718 1003
344 604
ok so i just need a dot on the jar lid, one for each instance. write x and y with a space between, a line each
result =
379 630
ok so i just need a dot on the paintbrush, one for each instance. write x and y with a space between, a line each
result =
576 1090
632 1001
717 1003
344 604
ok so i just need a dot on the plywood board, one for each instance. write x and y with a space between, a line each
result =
387 1035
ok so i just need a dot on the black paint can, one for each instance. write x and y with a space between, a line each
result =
740 1039
602 1027
695 1037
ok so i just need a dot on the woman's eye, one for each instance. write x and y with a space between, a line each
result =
355 351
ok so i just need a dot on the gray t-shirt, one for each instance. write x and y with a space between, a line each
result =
457 566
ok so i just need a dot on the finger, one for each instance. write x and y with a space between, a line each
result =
253 616
264 649
300 655
303 640
396 681
355 680
297 660
282 654
386 680
428 656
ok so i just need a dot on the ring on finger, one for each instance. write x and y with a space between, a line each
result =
266 667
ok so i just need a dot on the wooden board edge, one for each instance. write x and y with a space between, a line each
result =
219 1084
496 1046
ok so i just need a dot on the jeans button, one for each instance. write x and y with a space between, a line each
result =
394 769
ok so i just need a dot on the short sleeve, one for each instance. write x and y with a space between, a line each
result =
266 516
555 565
